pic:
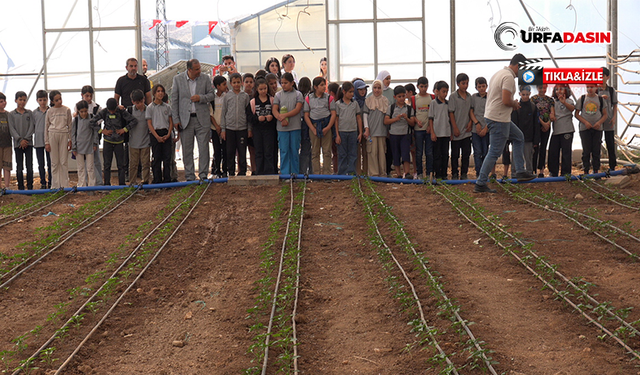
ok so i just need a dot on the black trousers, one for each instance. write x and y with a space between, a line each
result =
237 142
389 156
263 141
540 153
161 163
463 145
609 140
560 143
591 140
108 149
42 155
441 157
219 161
22 155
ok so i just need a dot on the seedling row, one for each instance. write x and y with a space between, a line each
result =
101 292
575 291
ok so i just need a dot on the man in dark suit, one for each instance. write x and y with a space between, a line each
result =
190 97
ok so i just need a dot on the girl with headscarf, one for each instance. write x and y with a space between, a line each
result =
375 132
385 77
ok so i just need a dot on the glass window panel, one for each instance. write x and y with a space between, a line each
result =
68 81
554 15
308 63
249 62
333 58
364 71
281 34
111 49
402 74
390 46
113 13
247 36
438 72
437 38
355 9
627 25
399 9
353 49
70 53
57 12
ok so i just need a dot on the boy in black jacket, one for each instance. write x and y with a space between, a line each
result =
116 122
526 118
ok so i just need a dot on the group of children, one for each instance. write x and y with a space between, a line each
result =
400 127
54 130
355 131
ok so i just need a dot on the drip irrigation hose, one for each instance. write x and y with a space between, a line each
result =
297 286
84 305
586 185
32 212
277 286
434 280
563 211
538 259
413 290
617 193
71 233
106 315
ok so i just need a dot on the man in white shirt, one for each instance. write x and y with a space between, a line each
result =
497 114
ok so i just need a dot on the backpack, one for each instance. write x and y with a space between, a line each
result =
609 103
253 104
409 114
306 98
582 103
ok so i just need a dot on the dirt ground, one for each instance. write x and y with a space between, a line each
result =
200 288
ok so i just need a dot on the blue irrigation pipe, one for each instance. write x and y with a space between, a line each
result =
322 177
117 187
314 177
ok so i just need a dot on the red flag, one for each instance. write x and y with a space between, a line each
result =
180 23
212 25
155 22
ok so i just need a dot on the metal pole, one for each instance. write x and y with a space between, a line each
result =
91 55
327 42
452 36
533 23
614 53
375 39
44 47
138 36
44 53
424 40
613 47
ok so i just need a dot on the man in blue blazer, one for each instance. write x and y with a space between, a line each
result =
190 97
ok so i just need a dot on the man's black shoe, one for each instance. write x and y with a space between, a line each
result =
525 176
483 189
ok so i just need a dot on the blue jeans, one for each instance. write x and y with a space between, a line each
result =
347 152
480 149
289 143
424 146
500 132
